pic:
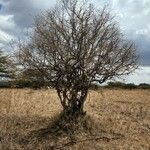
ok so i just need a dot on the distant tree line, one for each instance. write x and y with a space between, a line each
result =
121 85
13 77
10 77
37 84
21 83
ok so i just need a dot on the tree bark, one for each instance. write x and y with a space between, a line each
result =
75 109
73 103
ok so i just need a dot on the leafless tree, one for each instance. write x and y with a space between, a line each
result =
73 45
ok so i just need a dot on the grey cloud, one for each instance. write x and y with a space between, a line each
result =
145 58
135 23
24 10
133 16
143 45
16 16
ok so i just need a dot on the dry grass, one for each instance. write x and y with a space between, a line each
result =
120 120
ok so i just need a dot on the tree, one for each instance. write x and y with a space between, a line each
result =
5 67
73 45
31 78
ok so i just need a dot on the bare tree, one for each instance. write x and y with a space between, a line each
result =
73 45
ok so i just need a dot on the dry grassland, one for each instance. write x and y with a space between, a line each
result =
118 120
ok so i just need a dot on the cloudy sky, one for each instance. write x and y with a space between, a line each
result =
16 16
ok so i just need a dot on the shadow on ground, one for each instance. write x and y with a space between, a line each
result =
39 133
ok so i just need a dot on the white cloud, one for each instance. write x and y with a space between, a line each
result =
133 17
8 29
42 5
5 38
142 32
142 75
7 22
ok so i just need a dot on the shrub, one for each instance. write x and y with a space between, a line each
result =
121 85
144 86
5 84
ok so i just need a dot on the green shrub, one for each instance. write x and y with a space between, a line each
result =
5 84
95 87
116 84
35 84
121 85
130 86
144 86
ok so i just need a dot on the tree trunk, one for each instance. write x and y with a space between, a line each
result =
75 109
73 103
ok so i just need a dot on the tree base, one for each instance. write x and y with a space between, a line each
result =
72 116
72 124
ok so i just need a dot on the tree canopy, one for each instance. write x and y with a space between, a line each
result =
73 45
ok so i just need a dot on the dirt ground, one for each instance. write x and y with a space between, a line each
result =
117 120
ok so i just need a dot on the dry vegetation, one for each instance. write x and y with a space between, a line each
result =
117 120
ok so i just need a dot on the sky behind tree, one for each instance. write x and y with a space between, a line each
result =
16 17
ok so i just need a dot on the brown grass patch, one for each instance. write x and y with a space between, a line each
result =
117 119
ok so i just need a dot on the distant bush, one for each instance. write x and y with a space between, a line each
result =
116 84
5 84
35 84
130 86
23 84
121 85
95 87
127 86
144 86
